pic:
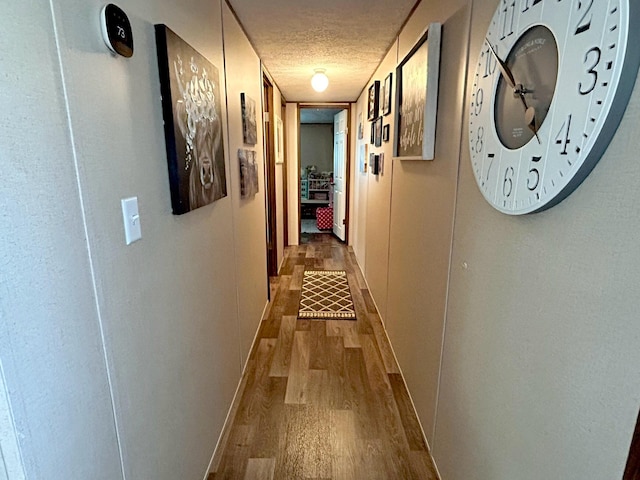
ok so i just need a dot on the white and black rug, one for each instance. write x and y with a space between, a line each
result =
326 296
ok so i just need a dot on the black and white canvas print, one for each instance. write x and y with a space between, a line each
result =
249 125
191 106
248 173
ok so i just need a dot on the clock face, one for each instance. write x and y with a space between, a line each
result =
551 84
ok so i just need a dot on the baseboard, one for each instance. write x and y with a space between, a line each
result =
395 357
216 457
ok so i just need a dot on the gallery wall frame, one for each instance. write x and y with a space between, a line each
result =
193 127
385 133
249 120
378 132
374 101
416 101
279 140
387 95
248 173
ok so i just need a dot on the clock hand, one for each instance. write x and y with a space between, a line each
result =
530 118
504 69
530 112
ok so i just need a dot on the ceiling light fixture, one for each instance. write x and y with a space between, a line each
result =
319 81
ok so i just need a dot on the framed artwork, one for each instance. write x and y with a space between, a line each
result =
374 164
360 126
248 173
362 160
386 96
373 133
279 140
417 98
190 90
385 133
378 133
374 100
249 122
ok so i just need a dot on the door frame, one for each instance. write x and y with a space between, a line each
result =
334 106
270 179
285 169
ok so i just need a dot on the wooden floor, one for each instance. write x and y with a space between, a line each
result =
322 399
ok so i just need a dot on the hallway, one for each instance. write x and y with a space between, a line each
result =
322 399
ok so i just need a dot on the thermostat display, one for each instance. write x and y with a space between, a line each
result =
116 30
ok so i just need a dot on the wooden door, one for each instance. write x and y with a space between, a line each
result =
270 180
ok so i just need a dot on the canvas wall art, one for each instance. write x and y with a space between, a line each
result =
248 173
191 108
249 122
417 98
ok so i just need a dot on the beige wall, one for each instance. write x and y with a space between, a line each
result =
540 370
293 172
405 216
137 348
422 209
540 347
243 66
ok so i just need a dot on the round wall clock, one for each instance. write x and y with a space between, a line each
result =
551 85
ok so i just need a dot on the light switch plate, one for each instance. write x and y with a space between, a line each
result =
131 218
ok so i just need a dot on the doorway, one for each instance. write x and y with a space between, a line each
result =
270 181
324 170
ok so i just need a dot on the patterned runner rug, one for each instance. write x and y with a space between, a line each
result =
326 296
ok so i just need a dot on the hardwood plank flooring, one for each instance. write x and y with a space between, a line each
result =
322 400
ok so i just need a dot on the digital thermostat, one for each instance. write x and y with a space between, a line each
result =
116 30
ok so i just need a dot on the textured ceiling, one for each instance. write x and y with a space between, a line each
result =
348 38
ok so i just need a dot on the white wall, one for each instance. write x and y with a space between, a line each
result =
155 326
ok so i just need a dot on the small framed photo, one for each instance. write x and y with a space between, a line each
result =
360 126
385 133
374 164
374 100
386 96
378 132
373 133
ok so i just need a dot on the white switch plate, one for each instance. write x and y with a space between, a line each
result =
131 218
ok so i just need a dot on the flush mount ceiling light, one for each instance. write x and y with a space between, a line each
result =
319 81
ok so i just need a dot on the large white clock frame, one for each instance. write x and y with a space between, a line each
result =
599 52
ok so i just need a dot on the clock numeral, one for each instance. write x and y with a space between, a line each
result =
585 23
121 32
508 16
477 105
507 184
591 71
492 158
530 4
491 63
533 180
480 140
562 138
